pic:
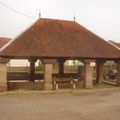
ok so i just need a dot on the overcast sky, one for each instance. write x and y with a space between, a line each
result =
100 16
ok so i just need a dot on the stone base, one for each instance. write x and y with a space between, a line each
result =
3 88
48 86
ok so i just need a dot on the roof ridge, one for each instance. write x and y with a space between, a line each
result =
58 19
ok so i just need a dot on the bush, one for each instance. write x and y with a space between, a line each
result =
40 67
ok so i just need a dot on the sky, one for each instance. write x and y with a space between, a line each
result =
100 16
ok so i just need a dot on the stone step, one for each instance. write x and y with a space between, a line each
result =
109 83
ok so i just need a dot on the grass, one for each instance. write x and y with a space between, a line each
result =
22 92
25 92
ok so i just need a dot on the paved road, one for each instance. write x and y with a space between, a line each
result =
86 105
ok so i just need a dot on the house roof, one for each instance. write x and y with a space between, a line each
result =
50 38
115 43
3 41
118 44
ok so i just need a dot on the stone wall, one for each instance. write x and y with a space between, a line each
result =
3 77
25 85
34 86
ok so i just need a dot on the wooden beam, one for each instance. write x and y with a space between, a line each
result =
32 69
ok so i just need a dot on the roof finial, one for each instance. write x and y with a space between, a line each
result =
39 13
74 16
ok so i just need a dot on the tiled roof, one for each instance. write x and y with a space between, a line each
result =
3 41
59 38
115 43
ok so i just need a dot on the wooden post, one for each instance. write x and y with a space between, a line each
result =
100 71
81 71
32 69
61 68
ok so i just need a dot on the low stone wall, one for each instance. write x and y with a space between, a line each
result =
34 85
3 88
20 80
23 76
38 76
25 85
18 76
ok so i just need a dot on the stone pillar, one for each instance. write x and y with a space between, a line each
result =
118 73
88 74
3 76
61 67
48 73
100 71
48 76
32 69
